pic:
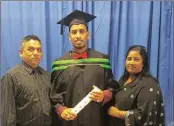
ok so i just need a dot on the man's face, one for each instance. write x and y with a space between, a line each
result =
31 53
79 36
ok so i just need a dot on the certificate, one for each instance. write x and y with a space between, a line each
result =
83 102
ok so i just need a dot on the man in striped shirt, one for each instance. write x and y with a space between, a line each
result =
25 89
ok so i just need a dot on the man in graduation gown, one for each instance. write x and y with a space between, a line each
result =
75 73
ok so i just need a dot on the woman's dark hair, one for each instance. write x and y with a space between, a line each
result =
145 70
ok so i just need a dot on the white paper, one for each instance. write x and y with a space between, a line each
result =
83 103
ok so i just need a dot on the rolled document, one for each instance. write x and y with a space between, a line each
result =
83 102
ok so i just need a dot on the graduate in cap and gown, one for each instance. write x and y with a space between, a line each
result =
75 74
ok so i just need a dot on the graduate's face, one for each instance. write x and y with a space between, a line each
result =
134 62
31 53
79 36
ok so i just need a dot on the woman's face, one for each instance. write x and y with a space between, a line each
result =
134 62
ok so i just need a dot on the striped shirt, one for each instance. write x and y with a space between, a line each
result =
21 98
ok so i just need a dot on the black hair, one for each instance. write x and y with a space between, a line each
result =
77 22
28 38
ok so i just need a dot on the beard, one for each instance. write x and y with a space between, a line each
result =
79 45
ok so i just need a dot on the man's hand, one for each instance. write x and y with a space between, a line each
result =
68 115
97 95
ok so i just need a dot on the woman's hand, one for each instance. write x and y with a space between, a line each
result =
115 112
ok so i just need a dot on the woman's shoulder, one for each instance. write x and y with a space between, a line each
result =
150 81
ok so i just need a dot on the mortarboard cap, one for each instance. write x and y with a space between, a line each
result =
76 17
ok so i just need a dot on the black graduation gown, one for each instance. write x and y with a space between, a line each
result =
144 102
70 85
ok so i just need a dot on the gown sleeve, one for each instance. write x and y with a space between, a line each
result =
110 86
150 108
110 83
58 90
8 108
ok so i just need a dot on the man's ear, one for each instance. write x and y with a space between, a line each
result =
20 53
69 37
88 36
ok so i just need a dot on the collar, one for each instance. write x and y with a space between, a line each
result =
82 55
29 69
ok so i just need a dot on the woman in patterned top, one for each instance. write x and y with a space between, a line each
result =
138 101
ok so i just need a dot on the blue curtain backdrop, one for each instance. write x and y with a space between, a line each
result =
117 26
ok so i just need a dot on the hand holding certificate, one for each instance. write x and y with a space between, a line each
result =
84 102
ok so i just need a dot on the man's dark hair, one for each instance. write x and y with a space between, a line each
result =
28 38
77 22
